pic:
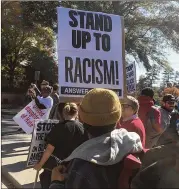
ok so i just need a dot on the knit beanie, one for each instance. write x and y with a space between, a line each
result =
100 107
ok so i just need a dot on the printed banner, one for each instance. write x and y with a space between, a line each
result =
131 78
90 52
25 118
38 145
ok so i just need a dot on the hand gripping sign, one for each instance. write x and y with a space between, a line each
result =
25 118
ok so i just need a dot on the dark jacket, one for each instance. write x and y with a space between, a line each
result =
84 174
103 162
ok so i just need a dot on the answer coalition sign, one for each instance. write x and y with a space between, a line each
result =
90 52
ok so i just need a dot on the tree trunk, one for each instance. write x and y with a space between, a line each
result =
11 76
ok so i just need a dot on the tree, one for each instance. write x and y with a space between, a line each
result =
142 83
153 75
177 76
149 26
18 42
168 75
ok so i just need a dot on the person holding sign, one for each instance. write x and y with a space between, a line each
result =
61 141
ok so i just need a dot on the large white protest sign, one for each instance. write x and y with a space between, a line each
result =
25 118
38 145
131 78
90 52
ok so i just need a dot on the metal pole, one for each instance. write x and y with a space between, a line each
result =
36 177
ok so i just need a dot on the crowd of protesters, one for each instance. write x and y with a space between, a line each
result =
103 143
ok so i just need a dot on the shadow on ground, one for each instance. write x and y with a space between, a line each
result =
16 167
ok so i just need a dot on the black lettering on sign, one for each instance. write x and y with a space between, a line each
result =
129 68
106 42
99 22
89 21
74 22
130 88
109 73
82 91
68 69
99 63
82 20
76 38
86 78
49 127
39 126
93 21
117 73
130 74
36 156
78 71
97 36
39 136
44 127
80 39
93 71
104 39
34 149
41 148
86 38
107 23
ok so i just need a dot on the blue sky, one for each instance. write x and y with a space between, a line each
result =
173 59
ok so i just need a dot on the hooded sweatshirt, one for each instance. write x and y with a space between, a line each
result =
109 148
97 162
146 104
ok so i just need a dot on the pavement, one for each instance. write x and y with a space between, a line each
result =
14 153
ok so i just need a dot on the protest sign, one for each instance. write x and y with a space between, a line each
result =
37 147
131 78
90 52
25 118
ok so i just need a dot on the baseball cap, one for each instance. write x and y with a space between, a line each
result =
168 97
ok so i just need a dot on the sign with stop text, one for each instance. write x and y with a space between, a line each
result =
90 52
131 78
38 145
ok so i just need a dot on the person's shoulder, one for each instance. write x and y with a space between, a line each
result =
155 109
137 122
73 122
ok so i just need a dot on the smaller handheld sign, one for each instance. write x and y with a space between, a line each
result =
131 78
25 118
38 145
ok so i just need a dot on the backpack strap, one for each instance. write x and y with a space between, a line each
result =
131 166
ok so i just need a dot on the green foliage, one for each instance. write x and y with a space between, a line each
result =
28 33
149 26
18 44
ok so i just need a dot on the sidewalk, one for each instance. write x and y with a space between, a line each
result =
10 111
14 155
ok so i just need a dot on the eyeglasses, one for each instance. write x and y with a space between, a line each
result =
126 106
